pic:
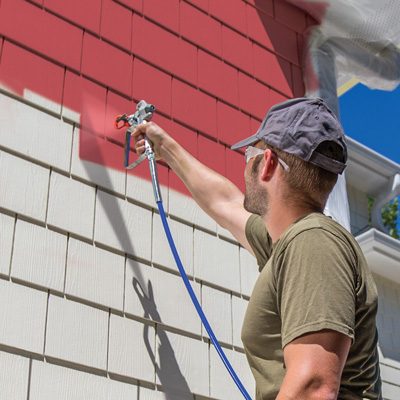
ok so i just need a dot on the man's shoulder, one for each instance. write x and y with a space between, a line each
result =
317 227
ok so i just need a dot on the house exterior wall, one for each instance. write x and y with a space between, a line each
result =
358 204
91 302
388 318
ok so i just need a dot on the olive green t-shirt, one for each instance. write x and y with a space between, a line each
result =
314 277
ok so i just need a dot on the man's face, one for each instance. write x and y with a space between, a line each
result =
256 199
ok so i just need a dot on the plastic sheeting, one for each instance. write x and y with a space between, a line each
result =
354 39
363 34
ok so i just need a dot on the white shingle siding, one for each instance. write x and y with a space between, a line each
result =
27 186
77 333
187 364
239 306
71 206
132 349
14 376
248 271
23 317
218 310
50 382
221 383
141 190
216 261
95 275
160 296
182 235
39 256
7 224
185 208
358 203
107 178
122 225
35 134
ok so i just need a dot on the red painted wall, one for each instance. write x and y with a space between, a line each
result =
211 68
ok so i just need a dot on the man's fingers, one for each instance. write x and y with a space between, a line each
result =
138 138
140 146
139 130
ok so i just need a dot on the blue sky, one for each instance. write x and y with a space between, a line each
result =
372 118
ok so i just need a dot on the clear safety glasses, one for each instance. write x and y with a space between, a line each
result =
255 151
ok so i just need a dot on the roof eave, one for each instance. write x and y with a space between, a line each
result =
382 253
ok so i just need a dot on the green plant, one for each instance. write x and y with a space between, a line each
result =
390 214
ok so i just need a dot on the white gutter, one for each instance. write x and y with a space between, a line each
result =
382 253
391 190
379 176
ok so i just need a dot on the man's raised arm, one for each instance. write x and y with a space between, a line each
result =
215 194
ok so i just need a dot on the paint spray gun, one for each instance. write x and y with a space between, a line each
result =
144 113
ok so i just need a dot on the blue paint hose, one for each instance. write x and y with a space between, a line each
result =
157 194
144 113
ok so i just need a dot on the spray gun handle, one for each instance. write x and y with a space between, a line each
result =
144 113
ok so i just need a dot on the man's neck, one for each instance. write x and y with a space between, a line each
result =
280 217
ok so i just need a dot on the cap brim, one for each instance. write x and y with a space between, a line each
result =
246 142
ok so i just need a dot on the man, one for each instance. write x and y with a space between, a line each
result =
309 330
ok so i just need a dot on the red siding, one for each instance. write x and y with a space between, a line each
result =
269 33
202 4
231 43
266 6
255 97
212 154
116 105
235 168
88 98
83 13
136 5
19 66
211 68
235 18
162 48
233 125
107 64
116 24
222 82
290 16
186 137
56 38
273 70
152 85
199 28
164 12
194 108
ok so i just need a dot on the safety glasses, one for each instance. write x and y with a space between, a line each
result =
252 152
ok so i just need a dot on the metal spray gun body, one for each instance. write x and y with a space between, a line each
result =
144 113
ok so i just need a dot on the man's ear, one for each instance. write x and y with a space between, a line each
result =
270 164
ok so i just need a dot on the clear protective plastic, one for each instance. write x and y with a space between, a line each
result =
364 35
351 39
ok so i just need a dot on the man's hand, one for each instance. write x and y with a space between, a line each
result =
155 134
314 365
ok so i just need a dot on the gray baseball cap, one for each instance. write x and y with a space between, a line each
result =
299 126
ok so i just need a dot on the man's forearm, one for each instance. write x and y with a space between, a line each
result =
208 188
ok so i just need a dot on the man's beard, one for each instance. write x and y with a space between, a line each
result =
256 199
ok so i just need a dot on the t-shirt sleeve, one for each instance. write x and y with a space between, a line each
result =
259 239
316 283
